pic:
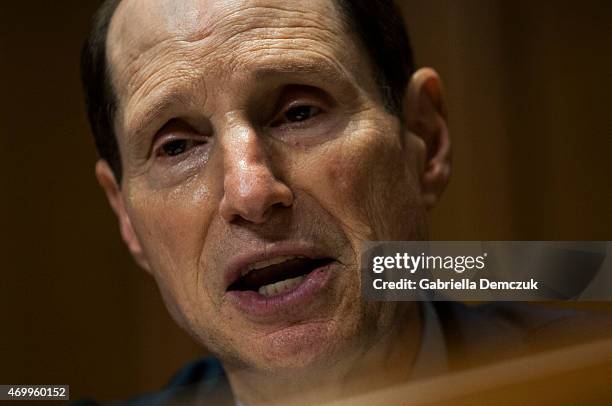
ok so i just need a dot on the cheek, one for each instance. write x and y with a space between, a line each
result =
365 181
171 225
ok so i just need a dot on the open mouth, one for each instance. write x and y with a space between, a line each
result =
277 275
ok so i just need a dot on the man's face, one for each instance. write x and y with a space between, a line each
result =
253 138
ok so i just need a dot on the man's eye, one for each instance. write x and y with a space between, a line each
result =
178 147
297 114
301 113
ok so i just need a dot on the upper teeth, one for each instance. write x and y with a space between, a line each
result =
268 262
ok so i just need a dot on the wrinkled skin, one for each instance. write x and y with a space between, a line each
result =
217 82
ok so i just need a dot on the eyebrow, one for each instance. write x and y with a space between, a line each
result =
326 72
156 107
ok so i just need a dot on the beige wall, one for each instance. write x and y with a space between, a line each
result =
528 87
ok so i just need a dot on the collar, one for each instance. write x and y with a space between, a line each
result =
432 356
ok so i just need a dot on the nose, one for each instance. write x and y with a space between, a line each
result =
251 189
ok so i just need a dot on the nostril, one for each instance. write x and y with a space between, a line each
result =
254 201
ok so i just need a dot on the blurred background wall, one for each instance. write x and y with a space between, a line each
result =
528 87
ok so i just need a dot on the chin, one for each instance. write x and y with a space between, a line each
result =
297 349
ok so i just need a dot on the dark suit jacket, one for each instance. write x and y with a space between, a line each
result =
474 335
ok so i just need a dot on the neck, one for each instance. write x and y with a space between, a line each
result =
377 362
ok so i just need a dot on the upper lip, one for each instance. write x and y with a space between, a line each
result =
243 261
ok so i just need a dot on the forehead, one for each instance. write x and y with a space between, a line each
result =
150 20
143 30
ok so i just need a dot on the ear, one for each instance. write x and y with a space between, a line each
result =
425 116
106 179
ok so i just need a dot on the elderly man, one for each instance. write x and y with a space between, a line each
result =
248 149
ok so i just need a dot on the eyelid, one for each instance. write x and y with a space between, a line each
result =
164 139
302 101
306 96
175 129
296 95
279 119
298 102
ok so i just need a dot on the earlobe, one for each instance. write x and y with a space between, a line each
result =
108 182
425 116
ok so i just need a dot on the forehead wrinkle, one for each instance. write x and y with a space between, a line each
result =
236 21
274 39
194 26
289 24
304 31
164 57
169 68
255 7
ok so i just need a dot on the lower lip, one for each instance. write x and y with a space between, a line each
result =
261 308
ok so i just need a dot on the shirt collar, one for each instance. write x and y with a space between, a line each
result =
432 358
